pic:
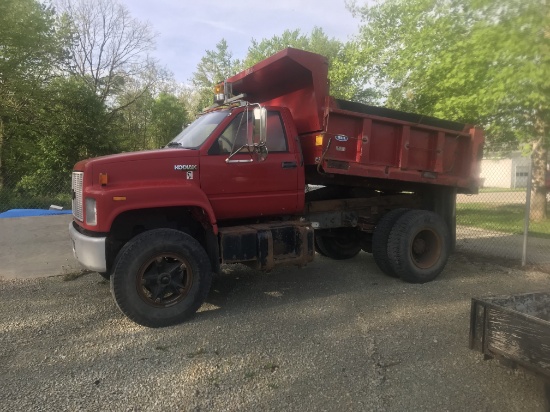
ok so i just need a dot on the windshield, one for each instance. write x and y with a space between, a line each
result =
194 135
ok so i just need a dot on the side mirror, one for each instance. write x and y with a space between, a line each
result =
261 152
260 123
256 148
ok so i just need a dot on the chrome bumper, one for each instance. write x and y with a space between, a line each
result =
89 251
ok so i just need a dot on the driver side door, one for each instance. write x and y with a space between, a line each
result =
240 186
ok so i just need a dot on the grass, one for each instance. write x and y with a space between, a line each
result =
508 218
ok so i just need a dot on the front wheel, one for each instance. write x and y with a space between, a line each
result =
338 244
418 246
161 277
105 275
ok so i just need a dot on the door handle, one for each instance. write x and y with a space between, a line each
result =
289 165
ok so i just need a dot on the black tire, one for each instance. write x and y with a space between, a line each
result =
365 240
105 275
380 240
418 246
161 277
339 244
317 248
366 247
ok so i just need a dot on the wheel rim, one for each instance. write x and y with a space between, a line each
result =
426 248
164 280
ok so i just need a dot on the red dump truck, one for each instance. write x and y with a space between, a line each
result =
232 187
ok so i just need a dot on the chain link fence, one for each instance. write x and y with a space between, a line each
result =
491 223
496 223
17 193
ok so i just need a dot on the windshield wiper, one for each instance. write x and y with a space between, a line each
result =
173 144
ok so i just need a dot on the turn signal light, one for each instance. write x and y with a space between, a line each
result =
103 179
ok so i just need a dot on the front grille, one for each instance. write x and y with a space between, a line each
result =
76 187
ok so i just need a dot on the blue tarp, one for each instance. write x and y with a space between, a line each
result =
33 212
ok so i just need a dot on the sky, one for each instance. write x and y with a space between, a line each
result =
186 29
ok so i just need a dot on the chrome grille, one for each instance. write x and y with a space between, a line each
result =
76 187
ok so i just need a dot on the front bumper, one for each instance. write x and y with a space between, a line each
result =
89 251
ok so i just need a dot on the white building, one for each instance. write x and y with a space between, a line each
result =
507 173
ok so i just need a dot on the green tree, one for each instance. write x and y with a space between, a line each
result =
132 122
30 48
110 52
150 122
478 61
72 127
290 38
168 117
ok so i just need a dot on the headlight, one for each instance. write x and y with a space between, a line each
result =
91 212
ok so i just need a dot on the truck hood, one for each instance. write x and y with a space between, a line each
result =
146 155
156 167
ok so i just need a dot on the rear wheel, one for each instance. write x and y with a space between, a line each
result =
338 244
380 240
161 277
418 246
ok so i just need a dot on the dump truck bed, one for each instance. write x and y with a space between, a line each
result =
345 138
380 143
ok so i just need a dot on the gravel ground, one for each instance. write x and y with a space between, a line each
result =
334 336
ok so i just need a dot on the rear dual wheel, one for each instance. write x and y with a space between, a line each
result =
418 246
380 240
411 244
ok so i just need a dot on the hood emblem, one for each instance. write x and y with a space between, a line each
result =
186 167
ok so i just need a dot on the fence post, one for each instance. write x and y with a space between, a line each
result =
527 209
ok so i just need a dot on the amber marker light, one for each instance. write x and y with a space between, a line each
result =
218 89
103 179
119 198
319 140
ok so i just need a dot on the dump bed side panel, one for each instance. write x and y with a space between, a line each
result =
367 145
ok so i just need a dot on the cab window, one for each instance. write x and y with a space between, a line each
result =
276 139
240 131
234 136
